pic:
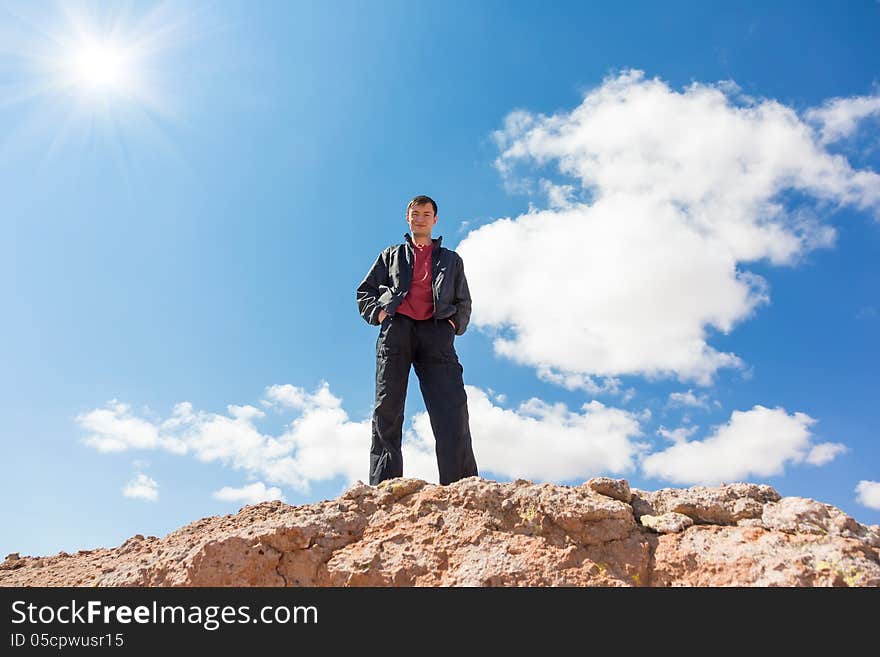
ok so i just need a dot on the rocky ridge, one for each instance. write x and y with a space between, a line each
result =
478 532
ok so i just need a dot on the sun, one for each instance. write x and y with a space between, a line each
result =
85 73
101 67
103 59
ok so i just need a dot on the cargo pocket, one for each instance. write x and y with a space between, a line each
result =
387 366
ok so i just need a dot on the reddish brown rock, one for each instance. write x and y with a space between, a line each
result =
477 532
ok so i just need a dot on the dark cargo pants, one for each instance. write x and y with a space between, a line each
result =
427 344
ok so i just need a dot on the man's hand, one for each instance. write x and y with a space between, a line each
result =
451 322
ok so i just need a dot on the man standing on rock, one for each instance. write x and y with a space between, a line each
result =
417 292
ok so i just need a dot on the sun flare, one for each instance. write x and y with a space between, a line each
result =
112 60
99 66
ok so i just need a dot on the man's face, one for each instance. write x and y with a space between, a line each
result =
421 219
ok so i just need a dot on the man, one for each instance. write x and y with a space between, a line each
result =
417 292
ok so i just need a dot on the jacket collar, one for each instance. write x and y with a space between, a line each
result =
435 241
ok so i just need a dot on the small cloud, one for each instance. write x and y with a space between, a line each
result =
839 117
142 487
867 312
688 399
251 494
825 452
679 435
868 494
579 381
747 373
294 397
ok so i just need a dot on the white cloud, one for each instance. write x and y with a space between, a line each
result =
679 435
839 117
289 396
825 453
142 487
579 381
689 399
754 443
869 494
626 273
536 440
324 441
115 429
250 494
500 397
558 196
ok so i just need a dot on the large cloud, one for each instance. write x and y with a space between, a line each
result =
320 444
632 263
536 440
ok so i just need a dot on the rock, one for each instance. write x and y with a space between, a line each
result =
615 488
716 555
478 532
394 489
641 505
722 505
749 522
667 523
802 515
357 490
12 561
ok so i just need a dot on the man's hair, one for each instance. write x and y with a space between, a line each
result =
421 199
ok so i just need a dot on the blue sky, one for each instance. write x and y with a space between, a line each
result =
669 217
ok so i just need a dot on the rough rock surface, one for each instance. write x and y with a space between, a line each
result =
478 532
667 523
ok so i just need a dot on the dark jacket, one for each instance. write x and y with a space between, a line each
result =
389 279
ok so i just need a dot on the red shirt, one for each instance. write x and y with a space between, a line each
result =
419 301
